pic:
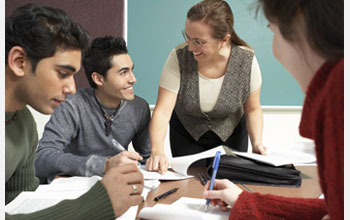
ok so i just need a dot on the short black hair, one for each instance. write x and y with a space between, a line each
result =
41 31
98 57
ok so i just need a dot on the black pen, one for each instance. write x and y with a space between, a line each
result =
165 194
202 179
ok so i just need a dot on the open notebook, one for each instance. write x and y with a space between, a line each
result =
180 165
60 189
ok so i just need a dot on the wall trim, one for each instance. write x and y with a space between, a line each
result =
267 108
281 108
125 28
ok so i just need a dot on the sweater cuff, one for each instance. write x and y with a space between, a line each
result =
239 204
95 165
241 197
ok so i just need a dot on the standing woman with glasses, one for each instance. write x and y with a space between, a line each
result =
209 90
308 40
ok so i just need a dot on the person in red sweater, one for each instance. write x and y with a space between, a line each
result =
309 42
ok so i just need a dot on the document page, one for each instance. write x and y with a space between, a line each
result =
181 164
191 208
279 157
169 175
60 189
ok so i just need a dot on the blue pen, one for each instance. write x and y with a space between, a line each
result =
215 169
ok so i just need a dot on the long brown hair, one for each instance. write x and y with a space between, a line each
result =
218 15
324 23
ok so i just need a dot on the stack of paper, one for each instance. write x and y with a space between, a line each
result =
60 189
191 208
48 195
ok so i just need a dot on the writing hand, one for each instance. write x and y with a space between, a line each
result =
224 193
122 158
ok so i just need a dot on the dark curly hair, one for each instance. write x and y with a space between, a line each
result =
41 31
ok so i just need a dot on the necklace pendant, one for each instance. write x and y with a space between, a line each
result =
108 124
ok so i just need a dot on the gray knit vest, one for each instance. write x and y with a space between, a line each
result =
228 110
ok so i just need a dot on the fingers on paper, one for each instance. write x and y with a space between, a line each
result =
155 164
263 150
163 165
152 163
149 163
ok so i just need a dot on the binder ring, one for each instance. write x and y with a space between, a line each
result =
134 188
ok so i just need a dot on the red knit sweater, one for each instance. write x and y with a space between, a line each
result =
323 121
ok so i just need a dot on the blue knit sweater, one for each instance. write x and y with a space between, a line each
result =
74 142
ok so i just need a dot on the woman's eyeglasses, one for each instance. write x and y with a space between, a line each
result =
196 42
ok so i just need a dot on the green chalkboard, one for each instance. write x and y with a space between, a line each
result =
154 29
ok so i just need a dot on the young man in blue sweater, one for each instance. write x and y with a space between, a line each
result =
91 130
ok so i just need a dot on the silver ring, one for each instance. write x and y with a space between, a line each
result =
134 188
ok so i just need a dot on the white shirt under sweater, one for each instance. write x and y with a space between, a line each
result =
209 89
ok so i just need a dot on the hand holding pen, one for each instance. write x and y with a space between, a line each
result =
224 193
215 169
124 157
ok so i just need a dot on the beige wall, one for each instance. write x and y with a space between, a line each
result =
280 127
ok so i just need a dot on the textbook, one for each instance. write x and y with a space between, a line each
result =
60 189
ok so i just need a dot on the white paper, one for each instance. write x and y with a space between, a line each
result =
279 157
191 208
181 164
76 185
151 184
169 175
28 202
60 189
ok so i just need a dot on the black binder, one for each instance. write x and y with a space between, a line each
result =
246 171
